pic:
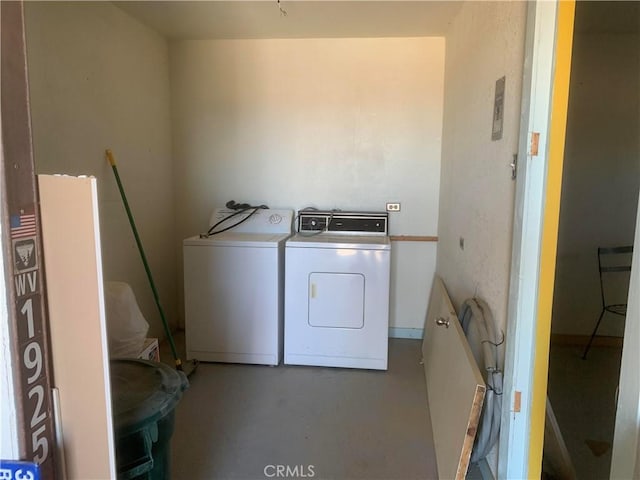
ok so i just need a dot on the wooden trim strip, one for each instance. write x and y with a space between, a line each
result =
413 238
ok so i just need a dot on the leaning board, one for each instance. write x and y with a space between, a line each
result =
73 267
455 388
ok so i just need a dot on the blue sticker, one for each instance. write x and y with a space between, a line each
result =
17 470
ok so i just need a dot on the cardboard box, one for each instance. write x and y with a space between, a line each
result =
150 350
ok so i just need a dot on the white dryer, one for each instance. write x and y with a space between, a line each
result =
233 289
337 290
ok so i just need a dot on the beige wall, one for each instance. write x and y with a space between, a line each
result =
330 123
601 175
485 42
99 79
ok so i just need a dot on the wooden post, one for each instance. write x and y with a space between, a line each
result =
21 240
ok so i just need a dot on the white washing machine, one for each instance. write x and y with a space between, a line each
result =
233 289
337 290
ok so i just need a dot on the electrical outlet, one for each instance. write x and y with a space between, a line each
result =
393 207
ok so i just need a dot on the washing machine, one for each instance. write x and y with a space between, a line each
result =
233 288
337 290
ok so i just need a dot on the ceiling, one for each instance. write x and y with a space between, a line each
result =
303 19
226 19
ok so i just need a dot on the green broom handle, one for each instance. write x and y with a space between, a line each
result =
167 331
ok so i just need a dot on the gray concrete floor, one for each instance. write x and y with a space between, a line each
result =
237 420
583 397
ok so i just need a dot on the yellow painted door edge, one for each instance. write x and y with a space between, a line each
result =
557 132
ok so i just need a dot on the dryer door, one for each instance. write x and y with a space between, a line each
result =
336 300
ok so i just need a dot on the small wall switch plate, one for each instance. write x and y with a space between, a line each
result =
393 207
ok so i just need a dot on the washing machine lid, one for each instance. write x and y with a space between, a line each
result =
327 240
233 239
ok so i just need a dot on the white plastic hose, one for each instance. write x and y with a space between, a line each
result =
488 350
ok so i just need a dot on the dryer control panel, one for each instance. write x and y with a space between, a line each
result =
336 222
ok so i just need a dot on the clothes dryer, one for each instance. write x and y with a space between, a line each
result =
337 290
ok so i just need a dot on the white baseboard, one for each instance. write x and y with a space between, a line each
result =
397 332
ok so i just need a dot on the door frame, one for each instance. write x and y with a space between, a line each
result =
548 45
625 461
547 69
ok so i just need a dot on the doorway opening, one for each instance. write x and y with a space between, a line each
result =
601 179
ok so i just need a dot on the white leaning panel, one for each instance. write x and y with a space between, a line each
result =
77 322
455 388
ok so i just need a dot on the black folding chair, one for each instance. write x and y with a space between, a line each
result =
611 261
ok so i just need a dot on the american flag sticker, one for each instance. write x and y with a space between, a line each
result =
23 225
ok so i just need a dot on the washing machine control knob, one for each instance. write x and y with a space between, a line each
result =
314 222
275 219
